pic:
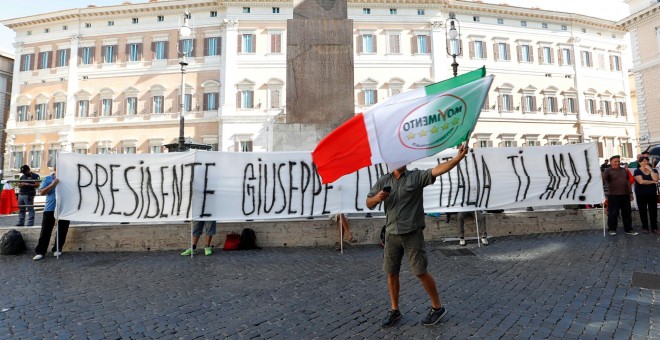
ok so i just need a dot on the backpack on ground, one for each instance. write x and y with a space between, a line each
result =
12 243
248 240
232 241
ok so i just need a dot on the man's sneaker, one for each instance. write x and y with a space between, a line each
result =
632 233
208 251
434 316
461 242
392 317
612 233
37 257
57 254
484 241
189 251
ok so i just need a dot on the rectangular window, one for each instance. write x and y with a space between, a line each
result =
22 113
26 62
111 23
156 149
247 43
246 10
484 143
553 142
507 102
615 63
622 108
158 104
106 107
65 27
131 105
607 109
368 43
136 20
544 25
276 10
187 98
63 58
525 54
83 108
421 12
187 47
393 11
246 146
35 158
476 19
44 60
130 150
564 28
591 106
212 46
529 104
211 101
47 30
509 143
40 112
247 98
552 105
102 150
159 50
570 105
523 23
276 43
369 97
566 56
423 44
503 51
52 157
214 14
547 55
533 143
394 46
500 21
134 52
366 11
87 56
480 49
60 110
18 159
586 59
81 151
160 18
109 54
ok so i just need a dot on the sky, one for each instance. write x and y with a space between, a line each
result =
606 9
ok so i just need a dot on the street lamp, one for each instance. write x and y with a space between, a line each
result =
185 32
453 35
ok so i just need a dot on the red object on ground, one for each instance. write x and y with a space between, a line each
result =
8 202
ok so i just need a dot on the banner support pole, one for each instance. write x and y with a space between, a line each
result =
192 252
476 221
57 237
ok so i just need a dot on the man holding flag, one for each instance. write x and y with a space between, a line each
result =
402 192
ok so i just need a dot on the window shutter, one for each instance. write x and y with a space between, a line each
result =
560 56
238 99
251 99
471 49
600 149
545 104
508 52
541 56
358 44
429 46
115 52
499 103
413 44
486 105
167 49
205 104
375 45
552 55
254 43
523 103
206 46
219 45
153 50
564 105
57 57
484 50
39 61
127 52
629 148
361 99
572 56
533 109
217 100
591 59
611 63
531 54
519 50
496 51
239 43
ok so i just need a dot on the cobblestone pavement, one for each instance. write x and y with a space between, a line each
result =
564 285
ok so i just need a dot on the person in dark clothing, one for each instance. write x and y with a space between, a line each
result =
48 222
28 184
605 165
619 195
646 179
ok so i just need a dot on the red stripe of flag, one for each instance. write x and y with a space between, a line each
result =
343 151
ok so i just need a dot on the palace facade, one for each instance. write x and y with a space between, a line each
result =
108 79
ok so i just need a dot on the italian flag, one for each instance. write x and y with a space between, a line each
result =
405 127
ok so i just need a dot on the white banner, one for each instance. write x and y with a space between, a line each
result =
228 186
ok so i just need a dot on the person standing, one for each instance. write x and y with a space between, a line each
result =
210 230
402 193
47 188
464 215
619 195
646 180
26 193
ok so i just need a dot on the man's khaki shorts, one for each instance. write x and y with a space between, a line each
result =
411 244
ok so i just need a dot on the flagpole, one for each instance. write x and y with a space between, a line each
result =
476 220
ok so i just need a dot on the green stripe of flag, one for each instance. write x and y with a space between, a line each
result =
455 81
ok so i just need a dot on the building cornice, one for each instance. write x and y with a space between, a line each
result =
109 11
636 19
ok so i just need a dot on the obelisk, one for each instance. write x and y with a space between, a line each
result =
319 78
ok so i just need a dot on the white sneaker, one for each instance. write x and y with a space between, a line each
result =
484 241
57 254
37 257
462 242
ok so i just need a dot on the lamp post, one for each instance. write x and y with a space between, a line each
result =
185 32
453 35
